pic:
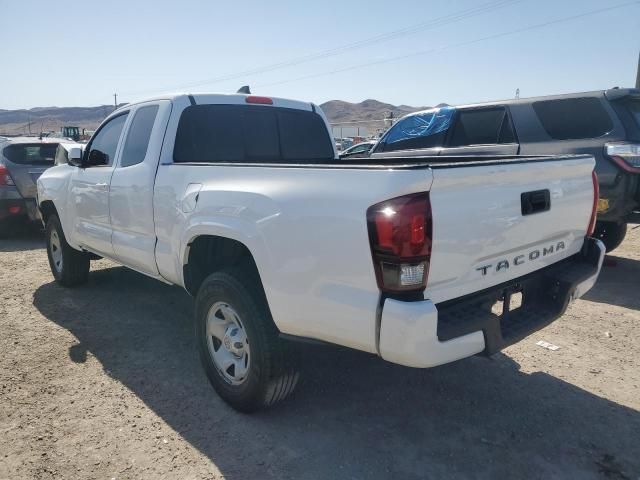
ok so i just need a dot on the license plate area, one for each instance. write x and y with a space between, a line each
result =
509 302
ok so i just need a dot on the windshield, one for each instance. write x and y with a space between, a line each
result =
31 154
70 131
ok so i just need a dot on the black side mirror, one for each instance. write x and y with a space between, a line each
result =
74 156
96 158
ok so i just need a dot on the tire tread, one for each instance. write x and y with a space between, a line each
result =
277 371
75 264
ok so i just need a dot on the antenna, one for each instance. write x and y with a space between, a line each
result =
517 93
244 89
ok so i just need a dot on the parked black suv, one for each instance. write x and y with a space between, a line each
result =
605 124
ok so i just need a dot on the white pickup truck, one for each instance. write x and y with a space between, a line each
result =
242 201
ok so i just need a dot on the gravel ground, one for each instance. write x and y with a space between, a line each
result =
104 382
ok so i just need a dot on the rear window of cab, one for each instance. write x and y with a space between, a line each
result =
251 134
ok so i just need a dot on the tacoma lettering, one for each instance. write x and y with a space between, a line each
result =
520 259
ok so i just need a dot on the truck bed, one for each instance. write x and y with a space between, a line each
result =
406 162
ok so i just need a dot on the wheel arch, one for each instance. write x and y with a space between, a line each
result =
47 208
207 254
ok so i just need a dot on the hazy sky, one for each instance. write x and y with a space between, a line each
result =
80 53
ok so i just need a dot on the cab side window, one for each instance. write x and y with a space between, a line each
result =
135 147
573 118
483 126
102 149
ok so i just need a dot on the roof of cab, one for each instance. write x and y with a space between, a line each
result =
223 98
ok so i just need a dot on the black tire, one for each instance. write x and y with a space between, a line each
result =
611 234
73 270
271 375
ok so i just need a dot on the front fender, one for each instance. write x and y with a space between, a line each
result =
53 186
244 217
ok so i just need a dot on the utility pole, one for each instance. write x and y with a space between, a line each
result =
389 120
638 74
115 101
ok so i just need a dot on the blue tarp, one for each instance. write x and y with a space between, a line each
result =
421 125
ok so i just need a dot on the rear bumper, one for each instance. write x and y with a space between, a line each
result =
13 205
19 209
422 334
634 217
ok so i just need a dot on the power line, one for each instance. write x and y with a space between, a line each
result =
437 22
455 45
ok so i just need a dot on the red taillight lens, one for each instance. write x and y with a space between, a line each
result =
400 233
259 100
5 178
594 207
625 155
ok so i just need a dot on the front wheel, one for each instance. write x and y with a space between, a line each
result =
69 266
611 234
247 363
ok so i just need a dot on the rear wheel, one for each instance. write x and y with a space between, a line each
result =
247 363
611 234
69 266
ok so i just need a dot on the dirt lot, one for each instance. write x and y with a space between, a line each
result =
104 382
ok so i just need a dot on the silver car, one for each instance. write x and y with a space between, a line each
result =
22 161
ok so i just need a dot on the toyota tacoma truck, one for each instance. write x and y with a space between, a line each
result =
242 200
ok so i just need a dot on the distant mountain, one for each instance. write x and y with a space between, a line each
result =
369 113
341 111
46 119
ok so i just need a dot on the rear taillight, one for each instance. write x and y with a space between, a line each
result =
594 206
5 178
400 233
626 155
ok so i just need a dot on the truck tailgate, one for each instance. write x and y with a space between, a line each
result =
493 222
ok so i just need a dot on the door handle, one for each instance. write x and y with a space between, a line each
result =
102 186
535 202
